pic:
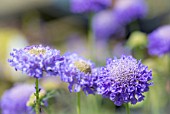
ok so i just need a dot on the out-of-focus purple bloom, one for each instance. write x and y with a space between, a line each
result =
14 100
77 71
124 80
105 24
119 50
81 6
36 59
73 40
159 41
129 10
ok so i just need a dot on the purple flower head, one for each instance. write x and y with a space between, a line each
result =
159 41
14 100
81 6
129 10
124 80
77 71
105 24
36 60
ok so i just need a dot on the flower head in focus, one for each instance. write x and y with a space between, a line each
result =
124 80
14 100
77 71
159 41
105 24
35 60
81 6
129 10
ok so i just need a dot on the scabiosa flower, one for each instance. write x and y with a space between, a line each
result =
14 100
77 71
105 24
124 80
81 6
129 10
36 59
159 41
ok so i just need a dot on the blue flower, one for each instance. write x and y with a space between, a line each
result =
77 71
14 100
105 24
159 41
36 60
123 80
81 6
129 10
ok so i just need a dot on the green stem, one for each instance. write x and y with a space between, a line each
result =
127 108
91 39
37 105
78 103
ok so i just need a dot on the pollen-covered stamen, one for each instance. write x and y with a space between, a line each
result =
83 66
122 70
37 51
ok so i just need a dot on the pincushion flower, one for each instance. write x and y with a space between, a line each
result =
159 41
36 60
81 6
105 24
124 80
14 100
77 71
129 10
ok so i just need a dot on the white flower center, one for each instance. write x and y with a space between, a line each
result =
122 70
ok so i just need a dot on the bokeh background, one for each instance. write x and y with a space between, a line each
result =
50 22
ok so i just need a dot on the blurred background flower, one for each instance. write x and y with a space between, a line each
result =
14 100
105 24
159 41
80 6
130 10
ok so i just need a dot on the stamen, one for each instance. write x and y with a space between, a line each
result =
83 66
37 51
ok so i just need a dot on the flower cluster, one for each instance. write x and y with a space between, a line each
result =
80 6
123 80
77 71
14 100
36 60
159 41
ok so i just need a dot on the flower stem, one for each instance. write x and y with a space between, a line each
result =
37 105
127 108
78 103
91 39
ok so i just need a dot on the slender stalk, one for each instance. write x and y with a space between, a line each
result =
127 108
78 103
91 39
37 105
